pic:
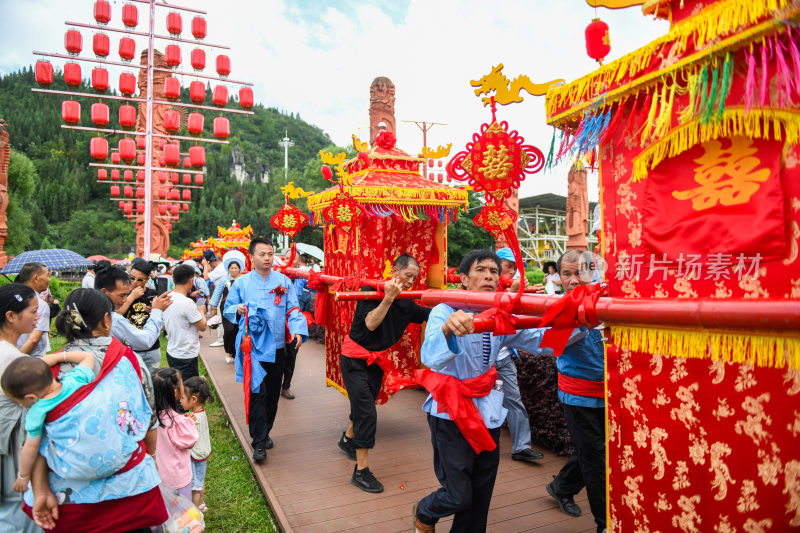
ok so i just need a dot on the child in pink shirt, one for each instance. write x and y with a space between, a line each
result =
177 433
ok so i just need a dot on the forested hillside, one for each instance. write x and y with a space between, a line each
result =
58 202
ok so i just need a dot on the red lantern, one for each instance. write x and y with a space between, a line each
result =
198 179
174 178
161 143
174 208
115 172
140 175
197 91
173 55
71 111
115 190
162 193
199 27
197 155
73 42
115 157
220 96
140 206
195 123
223 65
140 160
44 73
172 155
172 120
127 48
100 79
186 163
102 174
101 45
187 179
121 205
100 114
127 83
187 194
98 147
128 191
174 24
139 192
72 74
174 194
127 117
222 128
141 142
162 209
172 88
102 12
162 177
130 15
598 44
127 152
198 59
128 208
246 97
185 206
127 175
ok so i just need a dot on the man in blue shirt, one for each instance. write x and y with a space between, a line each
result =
271 305
581 389
452 350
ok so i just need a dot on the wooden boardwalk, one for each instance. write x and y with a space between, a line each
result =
306 478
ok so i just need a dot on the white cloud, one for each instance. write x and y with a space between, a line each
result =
321 64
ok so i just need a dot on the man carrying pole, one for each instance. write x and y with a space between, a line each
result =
465 409
269 301
377 325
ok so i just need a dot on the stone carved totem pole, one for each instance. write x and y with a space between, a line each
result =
577 209
381 107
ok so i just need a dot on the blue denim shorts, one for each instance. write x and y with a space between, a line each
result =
198 474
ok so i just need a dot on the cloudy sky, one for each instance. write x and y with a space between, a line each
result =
318 57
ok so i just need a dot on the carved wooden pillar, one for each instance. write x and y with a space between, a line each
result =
159 243
5 156
577 209
381 106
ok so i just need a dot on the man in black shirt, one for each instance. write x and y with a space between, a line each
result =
377 326
138 311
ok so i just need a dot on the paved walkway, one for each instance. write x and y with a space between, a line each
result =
306 479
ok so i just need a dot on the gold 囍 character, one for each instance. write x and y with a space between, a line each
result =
496 163
726 176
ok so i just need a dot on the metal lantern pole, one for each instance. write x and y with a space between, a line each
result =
286 143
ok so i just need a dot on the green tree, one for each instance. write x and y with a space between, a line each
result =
22 180
463 236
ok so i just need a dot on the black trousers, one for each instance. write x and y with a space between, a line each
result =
187 367
288 367
467 478
587 466
363 384
264 403
229 332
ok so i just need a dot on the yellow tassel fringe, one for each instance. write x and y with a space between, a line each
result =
774 124
394 196
769 351
717 21
330 383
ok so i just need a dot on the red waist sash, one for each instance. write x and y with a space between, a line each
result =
581 387
454 397
351 348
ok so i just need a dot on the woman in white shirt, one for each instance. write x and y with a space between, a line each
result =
552 279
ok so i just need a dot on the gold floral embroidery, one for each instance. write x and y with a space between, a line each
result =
723 410
684 288
635 231
793 238
795 289
661 398
657 363
698 450
613 435
751 526
663 503
634 495
625 195
747 500
795 427
625 361
791 487
641 433
722 291
757 418
685 412
620 168
628 288
688 519
678 370
659 453
680 481
661 292
770 465
745 380
627 458
752 287
718 369
722 475
629 401
724 526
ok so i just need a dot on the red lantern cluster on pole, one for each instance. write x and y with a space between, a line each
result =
127 83
130 16
199 28
172 120
172 88
223 65
195 123
72 74
44 73
222 128
98 148
246 97
71 111
198 59
101 45
73 42
100 79
127 152
197 91
174 24
127 116
100 114
220 96
598 44
127 49
102 12
197 156
172 54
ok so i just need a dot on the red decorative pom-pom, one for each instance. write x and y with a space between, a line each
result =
364 158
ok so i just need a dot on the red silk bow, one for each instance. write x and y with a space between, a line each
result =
575 307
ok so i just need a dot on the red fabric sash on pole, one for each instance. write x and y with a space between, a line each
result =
454 397
575 307
247 348
581 387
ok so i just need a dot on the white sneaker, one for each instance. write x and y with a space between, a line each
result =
217 343
229 359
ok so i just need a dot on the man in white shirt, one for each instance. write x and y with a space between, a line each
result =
183 321
37 343
215 272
